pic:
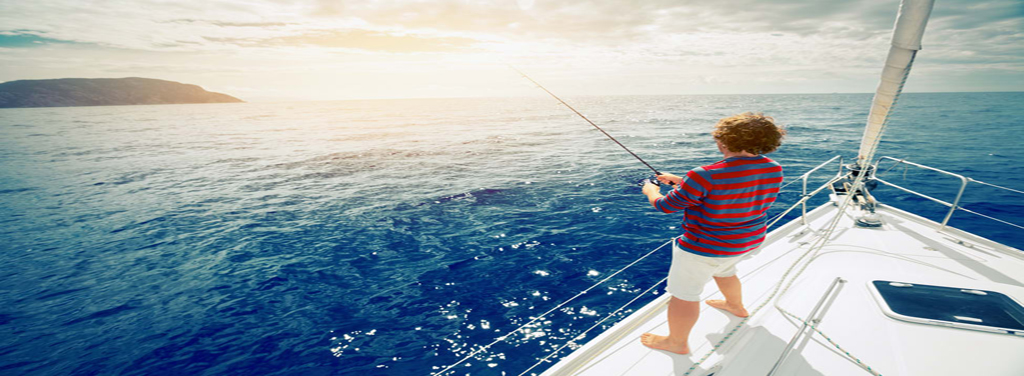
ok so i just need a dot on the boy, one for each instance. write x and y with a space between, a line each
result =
725 207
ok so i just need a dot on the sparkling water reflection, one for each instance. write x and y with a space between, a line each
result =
389 237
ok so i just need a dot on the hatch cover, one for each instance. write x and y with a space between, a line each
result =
950 306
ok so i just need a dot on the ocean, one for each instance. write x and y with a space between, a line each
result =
393 237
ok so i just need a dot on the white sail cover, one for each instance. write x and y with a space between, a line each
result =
906 41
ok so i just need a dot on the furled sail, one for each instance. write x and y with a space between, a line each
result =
906 41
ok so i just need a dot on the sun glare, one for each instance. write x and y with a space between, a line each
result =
269 51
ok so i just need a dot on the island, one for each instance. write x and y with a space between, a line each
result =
104 92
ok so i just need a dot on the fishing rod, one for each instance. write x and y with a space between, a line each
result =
656 172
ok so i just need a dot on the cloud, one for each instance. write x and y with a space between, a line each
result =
735 41
448 25
358 40
616 22
249 24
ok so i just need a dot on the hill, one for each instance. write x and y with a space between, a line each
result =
104 92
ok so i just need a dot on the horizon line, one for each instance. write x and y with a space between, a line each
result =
606 95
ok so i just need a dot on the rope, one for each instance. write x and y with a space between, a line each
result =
829 339
801 177
989 217
971 180
997 186
805 197
892 167
790 183
503 337
772 220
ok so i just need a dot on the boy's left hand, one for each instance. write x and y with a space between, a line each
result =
649 189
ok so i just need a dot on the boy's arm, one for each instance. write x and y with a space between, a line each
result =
653 193
689 192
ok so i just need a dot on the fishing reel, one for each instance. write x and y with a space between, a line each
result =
645 181
653 180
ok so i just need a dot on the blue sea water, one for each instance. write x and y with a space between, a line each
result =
395 236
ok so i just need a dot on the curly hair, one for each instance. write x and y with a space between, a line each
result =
749 132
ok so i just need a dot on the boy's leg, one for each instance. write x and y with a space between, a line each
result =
733 291
682 315
686 279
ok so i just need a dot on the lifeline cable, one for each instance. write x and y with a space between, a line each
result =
535 319
588 120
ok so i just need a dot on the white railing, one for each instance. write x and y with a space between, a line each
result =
955 205
804 196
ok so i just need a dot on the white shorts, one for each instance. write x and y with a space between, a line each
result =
690 272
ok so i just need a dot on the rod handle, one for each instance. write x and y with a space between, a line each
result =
656 174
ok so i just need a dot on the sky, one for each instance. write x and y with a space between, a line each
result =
266 50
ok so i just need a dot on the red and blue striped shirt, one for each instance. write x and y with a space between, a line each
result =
725 205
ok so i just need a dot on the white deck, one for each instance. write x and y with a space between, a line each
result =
906 248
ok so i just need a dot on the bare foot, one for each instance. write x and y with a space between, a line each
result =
720 304
663 343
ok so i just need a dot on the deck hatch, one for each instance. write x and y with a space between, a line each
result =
950 306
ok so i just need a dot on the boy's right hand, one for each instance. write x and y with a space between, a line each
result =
669 179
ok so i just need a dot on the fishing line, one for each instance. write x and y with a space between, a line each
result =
656 172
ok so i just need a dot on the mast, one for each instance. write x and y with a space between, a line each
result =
906 41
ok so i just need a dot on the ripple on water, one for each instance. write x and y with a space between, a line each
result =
392 237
